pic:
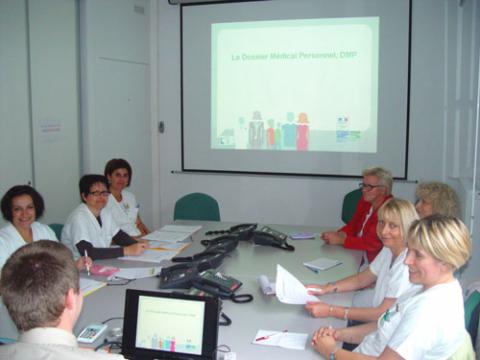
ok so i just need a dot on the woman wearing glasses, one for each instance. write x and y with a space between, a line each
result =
22 205
90 228
429 324
361 232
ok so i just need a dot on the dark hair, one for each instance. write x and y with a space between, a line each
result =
20 190
35 281
115 164
87 181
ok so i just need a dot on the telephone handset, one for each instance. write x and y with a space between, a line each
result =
270 237
225 243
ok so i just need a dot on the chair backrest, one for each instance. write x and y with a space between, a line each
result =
350 202
472 315
196 206
57 229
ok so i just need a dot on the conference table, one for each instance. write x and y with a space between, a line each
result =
245 263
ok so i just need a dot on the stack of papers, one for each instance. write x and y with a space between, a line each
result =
321 264
173 233
290 290
283 339
151 255
137 273
88 286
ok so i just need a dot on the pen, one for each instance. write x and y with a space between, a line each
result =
266 337
86 262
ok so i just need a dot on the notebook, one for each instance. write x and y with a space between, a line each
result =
160 325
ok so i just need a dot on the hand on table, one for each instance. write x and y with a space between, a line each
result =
324 341
135 249
334 237
317 309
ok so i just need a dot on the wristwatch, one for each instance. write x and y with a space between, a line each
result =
332 355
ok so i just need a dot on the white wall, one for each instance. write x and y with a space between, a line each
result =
39 140
295 200
116 120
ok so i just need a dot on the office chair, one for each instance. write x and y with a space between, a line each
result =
57 229
196 206
350 202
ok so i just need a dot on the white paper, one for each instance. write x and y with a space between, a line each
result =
88 286
151 256
322 263
268 288
173 233
168 245
137 273
283 339
290 290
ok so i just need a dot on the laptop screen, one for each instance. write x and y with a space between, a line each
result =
169 326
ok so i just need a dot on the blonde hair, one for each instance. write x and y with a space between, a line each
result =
445 238
442 197
384 176
400 212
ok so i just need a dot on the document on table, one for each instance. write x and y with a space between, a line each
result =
322 264
151 256
88 286
137 273
290 290
166 245
173 233
283 339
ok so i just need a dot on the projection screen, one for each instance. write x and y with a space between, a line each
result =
308 87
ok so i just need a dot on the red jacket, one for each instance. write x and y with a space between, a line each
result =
369 241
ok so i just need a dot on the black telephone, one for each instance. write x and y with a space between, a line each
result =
178 276
270 237
242 231
223 243
221 285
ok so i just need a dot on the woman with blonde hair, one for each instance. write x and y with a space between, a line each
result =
388 271
426 325
436 198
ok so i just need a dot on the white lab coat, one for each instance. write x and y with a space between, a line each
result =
82 225
125 212
11 240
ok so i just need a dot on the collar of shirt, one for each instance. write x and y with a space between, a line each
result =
49 335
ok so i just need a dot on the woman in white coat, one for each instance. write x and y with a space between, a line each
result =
121 202
387 272
429 324
90 228
21 206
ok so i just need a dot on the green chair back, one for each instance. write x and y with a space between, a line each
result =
196 206
57 229
350 202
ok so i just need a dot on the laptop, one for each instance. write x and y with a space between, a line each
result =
161 325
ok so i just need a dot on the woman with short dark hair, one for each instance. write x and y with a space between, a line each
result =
121 202
22 205
90 228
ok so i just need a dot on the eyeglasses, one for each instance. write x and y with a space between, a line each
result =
368 187
99 193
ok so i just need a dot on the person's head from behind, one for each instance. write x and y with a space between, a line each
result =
376 184
94 191
22 205
39 286
436 198
118 173
437 246
394 219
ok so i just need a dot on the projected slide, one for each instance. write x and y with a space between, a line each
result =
295 85
170 325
